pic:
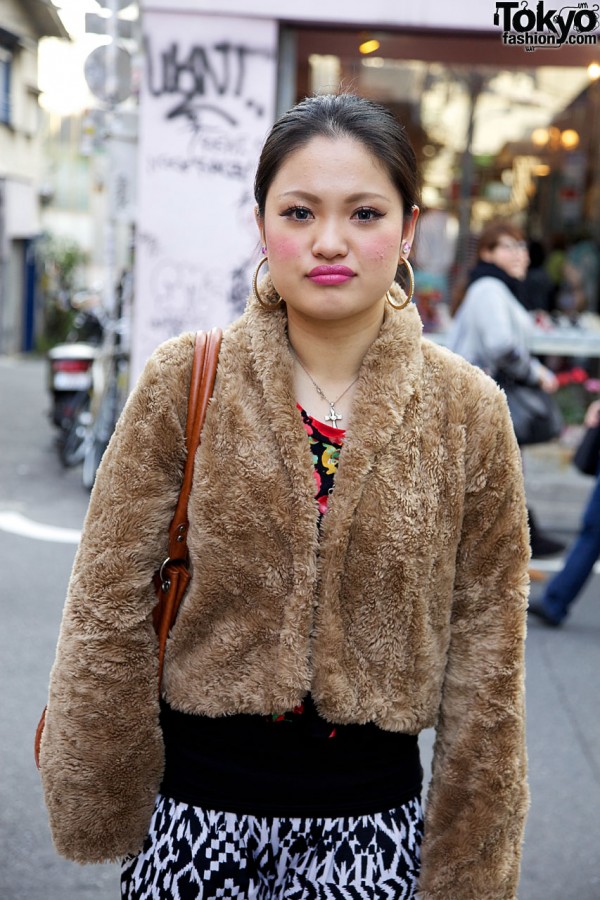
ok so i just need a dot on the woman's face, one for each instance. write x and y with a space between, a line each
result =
334 227
510 255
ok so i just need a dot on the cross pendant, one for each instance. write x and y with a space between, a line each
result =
333 417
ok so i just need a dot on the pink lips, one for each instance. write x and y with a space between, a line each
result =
330 274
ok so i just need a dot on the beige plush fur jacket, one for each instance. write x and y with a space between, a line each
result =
408 611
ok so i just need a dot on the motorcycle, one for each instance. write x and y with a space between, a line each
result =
70 377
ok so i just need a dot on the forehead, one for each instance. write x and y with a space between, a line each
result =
507 237
336 163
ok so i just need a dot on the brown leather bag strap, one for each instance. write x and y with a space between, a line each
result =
204 371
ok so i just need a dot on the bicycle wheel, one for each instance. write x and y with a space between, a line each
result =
91 461
72 447
101 432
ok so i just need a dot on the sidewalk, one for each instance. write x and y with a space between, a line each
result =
556 491
560 860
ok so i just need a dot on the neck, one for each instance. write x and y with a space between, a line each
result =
333 351
330 354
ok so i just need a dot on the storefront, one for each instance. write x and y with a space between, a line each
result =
502 128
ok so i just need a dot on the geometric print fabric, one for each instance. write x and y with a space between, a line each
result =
196 854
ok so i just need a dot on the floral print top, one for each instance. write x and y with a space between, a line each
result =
325 443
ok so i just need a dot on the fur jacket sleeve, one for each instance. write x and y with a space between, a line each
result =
477 802
101 757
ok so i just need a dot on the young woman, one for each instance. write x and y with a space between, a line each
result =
359 550
492 328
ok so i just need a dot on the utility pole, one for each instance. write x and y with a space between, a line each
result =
474 83
108 73
111 115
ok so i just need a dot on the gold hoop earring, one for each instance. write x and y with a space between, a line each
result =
265 305
411 287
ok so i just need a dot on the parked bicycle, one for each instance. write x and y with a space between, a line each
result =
101 399
110 378
70 375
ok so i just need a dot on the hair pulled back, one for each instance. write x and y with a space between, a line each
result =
491 234
341 116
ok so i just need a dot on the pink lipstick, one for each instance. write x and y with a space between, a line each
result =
330 274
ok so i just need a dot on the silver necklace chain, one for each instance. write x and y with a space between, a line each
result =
333 416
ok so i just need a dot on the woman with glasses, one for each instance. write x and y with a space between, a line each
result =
492 328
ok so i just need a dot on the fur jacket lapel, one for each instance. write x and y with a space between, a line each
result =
390 375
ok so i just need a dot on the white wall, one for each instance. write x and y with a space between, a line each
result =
22 209
207 102
445 14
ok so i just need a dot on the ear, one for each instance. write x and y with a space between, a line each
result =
260 224
410 223
486 255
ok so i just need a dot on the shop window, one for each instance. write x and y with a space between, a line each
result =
497 135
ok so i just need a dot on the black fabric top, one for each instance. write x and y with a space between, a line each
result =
254 765
490 270
295 763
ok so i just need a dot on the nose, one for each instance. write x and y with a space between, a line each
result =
329 239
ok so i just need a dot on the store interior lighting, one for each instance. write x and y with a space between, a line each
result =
554 138
569 139
369 46
540 137
593 71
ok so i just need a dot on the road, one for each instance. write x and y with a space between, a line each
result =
34 488
563 833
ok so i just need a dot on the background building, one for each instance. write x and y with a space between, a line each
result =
22 24
501 129
470 98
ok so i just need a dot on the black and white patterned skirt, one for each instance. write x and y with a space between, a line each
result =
195 853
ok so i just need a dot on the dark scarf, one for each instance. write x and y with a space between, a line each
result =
490 270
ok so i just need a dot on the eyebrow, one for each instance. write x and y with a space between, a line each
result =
351 198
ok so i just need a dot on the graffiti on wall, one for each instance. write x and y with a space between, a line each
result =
202 71
208 96
211 92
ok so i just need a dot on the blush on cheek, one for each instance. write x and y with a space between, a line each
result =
381 249
284 248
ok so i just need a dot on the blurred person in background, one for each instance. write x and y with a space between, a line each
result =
553 607
554 266
538 287
492 329
578 291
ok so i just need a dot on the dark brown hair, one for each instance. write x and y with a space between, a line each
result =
335 116
491 234
487 240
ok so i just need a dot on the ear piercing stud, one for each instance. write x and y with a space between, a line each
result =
406 248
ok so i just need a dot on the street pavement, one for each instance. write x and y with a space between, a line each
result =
561 856
563 833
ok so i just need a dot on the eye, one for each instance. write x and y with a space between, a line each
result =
367 214
297 213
